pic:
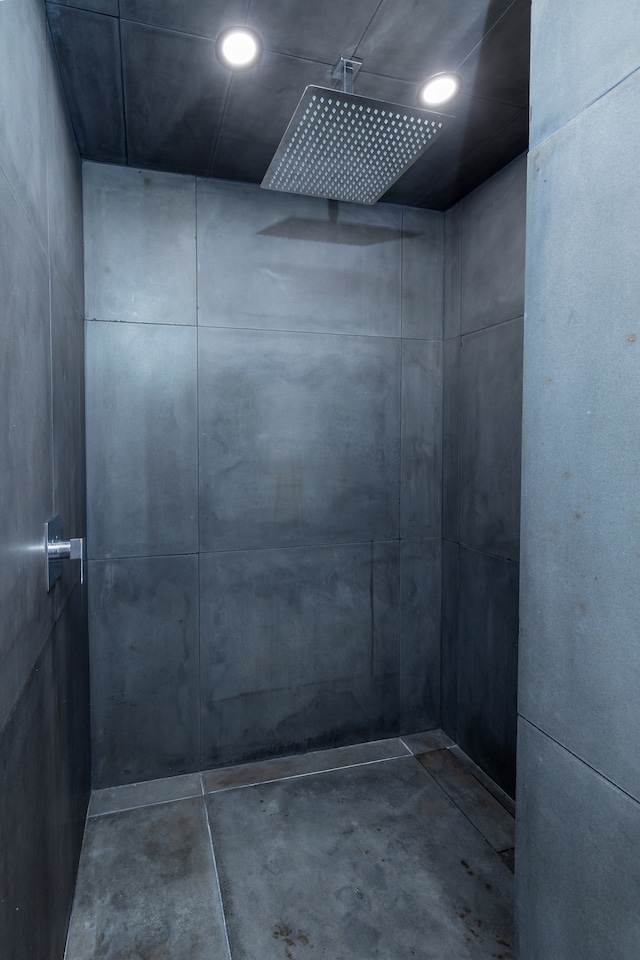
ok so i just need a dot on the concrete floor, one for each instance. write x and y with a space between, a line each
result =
384 850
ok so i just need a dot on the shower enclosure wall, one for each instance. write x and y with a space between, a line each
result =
264 429
44 709
264 384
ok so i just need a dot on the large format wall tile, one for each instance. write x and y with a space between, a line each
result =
23 107
493 235
144 681
64 190
452 271
26 614
580 664
140 245
420 599
44 767
585 53
142 456
67 392
487 663
451 439
272 723
449 643
277 261
422 273
287 633
491 439
298 438
27 769
421 440
578 871
275 619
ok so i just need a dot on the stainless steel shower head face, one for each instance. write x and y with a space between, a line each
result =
345 147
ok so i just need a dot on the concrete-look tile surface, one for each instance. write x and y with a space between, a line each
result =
297 644
144 668
149 792
23 81
488 663
420 614
422 273
309 716
580 656
421 743
451 366
300 766
577 863
298 438
142 444
449 638
421 447
147 888
492 249
26 611
140 245
269 260
485 813
366 862
607 40
490 437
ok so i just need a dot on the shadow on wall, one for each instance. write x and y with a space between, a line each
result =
332 231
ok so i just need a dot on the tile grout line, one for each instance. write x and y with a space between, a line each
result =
217 876
257 783
464 813
310 773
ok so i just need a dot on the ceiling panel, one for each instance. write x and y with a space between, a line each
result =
175 91
480 165
495 68
260 105
316 31
88 50
184 112
413 39
206 18
109 7
475 124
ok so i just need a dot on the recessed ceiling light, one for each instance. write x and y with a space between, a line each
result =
238 48
439 89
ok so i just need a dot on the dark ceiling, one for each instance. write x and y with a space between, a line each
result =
145 88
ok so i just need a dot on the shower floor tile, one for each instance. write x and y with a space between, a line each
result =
365 859
147 888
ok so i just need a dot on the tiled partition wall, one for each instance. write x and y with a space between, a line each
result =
484 302
579 764
44 703
264 471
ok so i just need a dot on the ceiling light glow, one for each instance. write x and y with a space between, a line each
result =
439 89
238 48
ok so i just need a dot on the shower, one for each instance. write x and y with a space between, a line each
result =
342 146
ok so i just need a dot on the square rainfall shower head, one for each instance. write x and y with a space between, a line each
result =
345 147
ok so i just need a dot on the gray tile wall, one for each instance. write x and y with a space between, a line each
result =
44 730
579 779
264 483
482 425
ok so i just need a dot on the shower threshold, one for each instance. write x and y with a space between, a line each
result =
392 849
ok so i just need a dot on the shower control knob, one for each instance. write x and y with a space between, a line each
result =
58 550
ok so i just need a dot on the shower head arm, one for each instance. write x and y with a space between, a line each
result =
345 70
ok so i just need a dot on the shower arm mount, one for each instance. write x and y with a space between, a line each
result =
345 70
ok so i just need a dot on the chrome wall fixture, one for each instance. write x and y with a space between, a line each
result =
56 550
